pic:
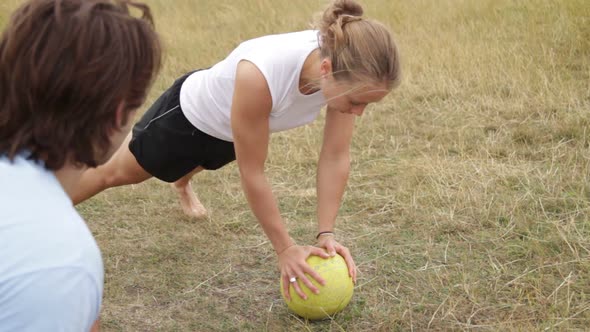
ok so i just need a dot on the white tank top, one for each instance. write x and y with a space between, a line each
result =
206 96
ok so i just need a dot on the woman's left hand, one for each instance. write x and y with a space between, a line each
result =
333 247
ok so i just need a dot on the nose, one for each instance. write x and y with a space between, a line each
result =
358 110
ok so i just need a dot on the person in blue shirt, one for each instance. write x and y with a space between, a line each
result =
72 74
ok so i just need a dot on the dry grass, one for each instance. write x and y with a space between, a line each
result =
468 202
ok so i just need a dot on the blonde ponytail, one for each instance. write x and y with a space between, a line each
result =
334 18
359 48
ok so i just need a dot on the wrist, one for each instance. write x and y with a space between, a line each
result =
324 233
283 249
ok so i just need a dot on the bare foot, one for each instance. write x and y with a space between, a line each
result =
191 205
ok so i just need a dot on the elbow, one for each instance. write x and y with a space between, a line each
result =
250 175
337 163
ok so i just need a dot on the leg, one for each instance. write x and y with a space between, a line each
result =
120 170
188 200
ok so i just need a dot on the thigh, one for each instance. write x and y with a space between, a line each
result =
124 168
166 148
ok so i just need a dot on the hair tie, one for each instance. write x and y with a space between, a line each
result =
346 18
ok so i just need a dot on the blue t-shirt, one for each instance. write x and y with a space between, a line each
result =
51 272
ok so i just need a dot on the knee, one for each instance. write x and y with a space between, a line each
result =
114 177
104 177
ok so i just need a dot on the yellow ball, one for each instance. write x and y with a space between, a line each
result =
333 297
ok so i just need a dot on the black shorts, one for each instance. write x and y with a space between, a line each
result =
168 146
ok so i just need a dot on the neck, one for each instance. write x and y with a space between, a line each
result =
69 177
310 74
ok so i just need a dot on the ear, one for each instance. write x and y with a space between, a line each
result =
122 118
326 67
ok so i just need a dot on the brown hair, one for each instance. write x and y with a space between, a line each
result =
65 67
359 49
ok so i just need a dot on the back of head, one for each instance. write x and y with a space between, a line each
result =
65 67
360 49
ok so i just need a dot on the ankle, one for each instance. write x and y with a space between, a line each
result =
181 186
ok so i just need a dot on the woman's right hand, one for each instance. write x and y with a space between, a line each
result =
292 264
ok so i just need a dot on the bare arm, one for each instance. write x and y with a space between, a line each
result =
332 176
251 107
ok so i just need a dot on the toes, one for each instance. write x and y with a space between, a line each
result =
198 213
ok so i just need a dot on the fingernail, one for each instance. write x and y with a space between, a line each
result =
332 254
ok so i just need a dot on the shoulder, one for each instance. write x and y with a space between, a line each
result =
277 60
39 227
280 51
249 73
251 86
293 39
64 299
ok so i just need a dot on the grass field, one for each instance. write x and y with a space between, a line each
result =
468 202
